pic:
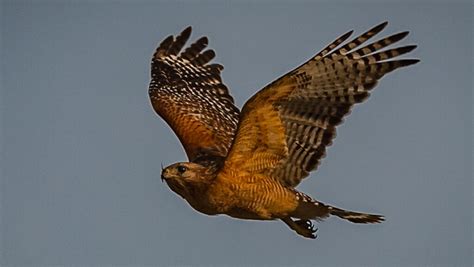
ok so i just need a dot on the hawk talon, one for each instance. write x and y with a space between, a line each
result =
302 227
307 224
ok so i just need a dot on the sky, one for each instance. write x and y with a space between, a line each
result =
81 147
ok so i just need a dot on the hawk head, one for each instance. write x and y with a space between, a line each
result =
187 179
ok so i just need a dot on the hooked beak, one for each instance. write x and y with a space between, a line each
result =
162 176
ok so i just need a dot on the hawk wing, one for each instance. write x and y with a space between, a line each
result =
285 128
189 95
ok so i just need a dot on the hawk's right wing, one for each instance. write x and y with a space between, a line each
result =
189 95
285 128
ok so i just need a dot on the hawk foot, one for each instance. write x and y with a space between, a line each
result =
302 227
307 228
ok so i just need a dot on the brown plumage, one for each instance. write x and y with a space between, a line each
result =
246 164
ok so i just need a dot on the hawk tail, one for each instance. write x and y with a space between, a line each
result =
311 209
355 217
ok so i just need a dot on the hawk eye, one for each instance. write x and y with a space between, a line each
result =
182 169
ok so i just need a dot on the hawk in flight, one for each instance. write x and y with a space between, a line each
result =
246 163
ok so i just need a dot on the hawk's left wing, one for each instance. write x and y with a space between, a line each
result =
189 95
285 128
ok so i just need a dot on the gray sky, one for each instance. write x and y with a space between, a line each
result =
81 146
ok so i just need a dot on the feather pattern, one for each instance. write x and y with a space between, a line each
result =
189 94
286 127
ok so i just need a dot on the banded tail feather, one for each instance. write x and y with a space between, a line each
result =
311 209
356 217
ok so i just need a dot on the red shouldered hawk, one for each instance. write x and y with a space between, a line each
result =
246 164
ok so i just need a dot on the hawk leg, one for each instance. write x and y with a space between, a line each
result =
302 227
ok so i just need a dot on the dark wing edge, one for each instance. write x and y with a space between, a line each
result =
313 99
188 93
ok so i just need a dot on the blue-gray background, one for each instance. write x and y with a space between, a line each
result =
81 146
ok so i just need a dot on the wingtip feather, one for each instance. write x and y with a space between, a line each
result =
408 62
346 35
188 29
380 26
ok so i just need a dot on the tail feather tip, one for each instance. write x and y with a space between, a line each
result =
357 217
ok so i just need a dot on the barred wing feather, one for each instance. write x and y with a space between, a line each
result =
188 93
286 127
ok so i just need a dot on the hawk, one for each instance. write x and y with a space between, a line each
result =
246 163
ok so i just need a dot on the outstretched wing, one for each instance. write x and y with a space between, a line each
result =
189 95
286 127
